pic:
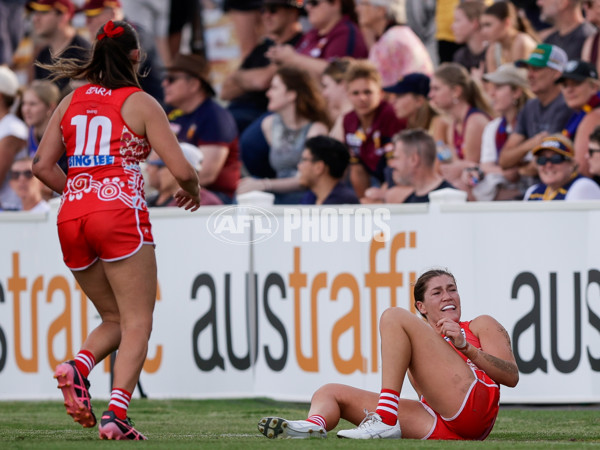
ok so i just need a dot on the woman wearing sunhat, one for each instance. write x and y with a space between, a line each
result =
558 173
579 83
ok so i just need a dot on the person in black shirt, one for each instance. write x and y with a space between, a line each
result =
321 168
413 164
51 20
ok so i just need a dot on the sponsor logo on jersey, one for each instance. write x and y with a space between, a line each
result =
91 160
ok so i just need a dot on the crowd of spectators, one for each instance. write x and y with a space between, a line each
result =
337 101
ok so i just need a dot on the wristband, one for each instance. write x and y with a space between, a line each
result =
463 347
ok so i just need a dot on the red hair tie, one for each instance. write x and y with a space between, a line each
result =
111 31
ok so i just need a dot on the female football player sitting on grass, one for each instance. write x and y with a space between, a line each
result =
455 367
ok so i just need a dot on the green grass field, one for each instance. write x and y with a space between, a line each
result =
177 424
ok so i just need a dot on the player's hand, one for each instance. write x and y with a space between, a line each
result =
452 331
186 200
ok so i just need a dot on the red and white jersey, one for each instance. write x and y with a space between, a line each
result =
103 154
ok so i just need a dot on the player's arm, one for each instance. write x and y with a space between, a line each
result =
50 150
160 136
495 356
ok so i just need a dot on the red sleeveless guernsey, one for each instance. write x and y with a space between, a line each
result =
103 154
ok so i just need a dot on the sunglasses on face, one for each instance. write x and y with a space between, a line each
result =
15 174
554 159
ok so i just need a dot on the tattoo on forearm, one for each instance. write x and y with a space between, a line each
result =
499 363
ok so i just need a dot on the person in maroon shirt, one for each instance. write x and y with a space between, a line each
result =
368 129
335 33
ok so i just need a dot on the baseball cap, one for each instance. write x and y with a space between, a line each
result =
558 143
194 65
545 55
414 83
508 74
64 6
578 70
9 83
92 8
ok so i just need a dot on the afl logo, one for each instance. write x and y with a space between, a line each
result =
241 225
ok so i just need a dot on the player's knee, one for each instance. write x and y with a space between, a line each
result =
394 316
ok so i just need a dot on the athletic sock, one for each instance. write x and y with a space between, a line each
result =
85 362
119 402
387 407
317 420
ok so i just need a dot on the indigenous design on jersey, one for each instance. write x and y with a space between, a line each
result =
103 154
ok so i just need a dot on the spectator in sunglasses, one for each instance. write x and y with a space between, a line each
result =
557 169
581 90
26 186
593 154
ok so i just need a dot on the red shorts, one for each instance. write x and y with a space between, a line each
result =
109 235
475 418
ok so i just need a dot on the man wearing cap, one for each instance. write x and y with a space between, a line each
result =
579 82
98 12
545 114
197 119
571 29
558 173
246 87
51 20
13 136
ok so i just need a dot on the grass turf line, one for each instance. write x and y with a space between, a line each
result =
175 424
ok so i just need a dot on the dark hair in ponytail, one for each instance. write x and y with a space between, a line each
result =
109 63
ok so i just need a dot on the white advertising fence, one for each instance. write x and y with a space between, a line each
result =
278 301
